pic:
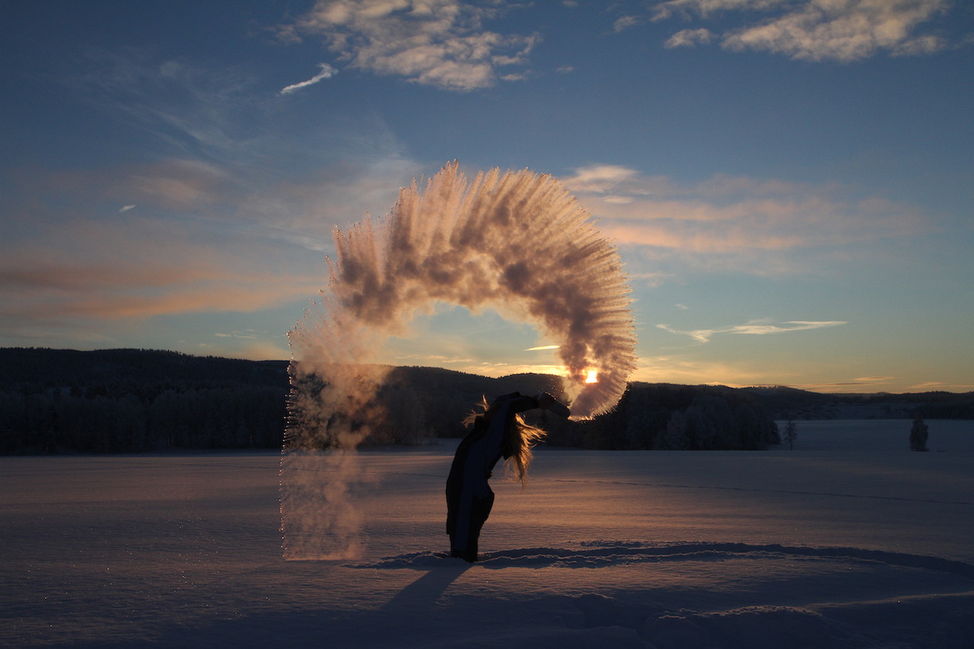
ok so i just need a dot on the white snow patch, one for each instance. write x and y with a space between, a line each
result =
850 540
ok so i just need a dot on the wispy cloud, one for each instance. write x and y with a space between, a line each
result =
815 30
179 182
613 179
687 8
625 22
326 72
436 360
858 384
650 278
677 369
934 386
246 334
542 348
137 269
244 294
65 293
190 108
599 178
205 239
301 212
440 43
172 183
747 223
222 142
873 379
754 328
689 38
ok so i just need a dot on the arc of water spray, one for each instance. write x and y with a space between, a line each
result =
516 241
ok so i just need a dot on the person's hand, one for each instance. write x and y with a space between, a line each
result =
552 404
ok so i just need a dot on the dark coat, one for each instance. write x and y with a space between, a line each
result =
469 497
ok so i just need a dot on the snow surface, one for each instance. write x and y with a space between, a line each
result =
850 540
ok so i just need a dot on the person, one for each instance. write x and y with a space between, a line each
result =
499 431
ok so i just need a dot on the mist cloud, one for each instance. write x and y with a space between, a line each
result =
516 242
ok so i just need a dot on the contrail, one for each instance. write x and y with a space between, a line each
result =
326 72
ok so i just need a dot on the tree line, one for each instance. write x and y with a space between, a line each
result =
790 403
672 417
132 400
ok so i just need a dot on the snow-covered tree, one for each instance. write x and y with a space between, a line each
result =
918 435
791 433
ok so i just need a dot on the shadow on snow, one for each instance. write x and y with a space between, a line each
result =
597 554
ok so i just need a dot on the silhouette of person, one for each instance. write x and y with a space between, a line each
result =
498 431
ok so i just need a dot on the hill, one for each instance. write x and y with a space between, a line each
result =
790 403
132 400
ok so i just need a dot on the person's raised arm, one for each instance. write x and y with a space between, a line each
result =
551 404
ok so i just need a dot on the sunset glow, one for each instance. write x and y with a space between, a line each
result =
775 193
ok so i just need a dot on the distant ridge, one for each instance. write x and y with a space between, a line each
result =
43 366
133 400
791 403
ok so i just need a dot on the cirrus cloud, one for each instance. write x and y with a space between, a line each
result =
751 224
754 328
815 30
136 270
440 43
689 38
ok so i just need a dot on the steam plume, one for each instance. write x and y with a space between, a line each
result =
515 241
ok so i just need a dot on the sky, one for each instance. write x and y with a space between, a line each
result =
789 182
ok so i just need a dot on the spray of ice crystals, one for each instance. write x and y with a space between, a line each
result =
517 242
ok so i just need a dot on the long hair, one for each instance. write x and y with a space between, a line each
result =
518 442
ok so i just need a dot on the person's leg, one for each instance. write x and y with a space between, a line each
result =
480 510
460 534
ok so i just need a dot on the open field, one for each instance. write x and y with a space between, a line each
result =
850 540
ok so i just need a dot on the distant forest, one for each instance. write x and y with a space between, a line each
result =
129 400
789 403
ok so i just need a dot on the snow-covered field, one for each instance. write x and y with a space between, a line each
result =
850 540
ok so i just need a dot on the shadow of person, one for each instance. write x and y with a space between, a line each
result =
424 591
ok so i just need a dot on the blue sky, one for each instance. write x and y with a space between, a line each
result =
790 182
